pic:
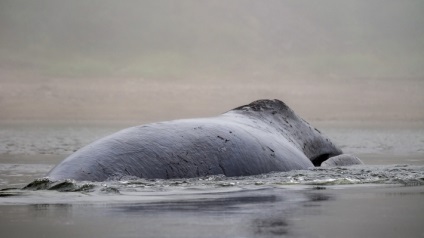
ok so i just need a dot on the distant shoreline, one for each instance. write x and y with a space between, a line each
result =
373 101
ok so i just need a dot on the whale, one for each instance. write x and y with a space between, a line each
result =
261 137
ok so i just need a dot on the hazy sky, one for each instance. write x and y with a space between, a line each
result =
368 38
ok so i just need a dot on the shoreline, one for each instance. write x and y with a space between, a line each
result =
27 98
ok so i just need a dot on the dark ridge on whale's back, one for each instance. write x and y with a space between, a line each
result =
265 104
267 107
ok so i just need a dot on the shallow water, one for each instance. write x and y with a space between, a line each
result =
384 198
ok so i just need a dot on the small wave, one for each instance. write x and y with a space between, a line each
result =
361 174
61 186
407 175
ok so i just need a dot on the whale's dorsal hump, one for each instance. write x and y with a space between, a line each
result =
273 107
277 115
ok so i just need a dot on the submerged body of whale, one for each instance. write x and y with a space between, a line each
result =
261 137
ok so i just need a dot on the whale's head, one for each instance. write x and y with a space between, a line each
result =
277 115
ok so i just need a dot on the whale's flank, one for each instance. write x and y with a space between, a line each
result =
260 137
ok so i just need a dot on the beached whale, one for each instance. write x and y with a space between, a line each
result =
261 137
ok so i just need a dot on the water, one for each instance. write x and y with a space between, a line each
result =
384 198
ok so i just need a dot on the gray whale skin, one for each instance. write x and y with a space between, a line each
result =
263 136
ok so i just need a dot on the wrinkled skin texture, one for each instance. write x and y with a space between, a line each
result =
260 137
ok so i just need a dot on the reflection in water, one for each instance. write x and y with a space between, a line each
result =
61 212
253 213
270 226
259 213
264 212
222 204
248 213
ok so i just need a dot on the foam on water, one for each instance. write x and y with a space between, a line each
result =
360 174
130 188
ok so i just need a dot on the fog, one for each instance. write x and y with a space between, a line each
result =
157 60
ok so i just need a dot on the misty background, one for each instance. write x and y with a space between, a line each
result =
159 60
